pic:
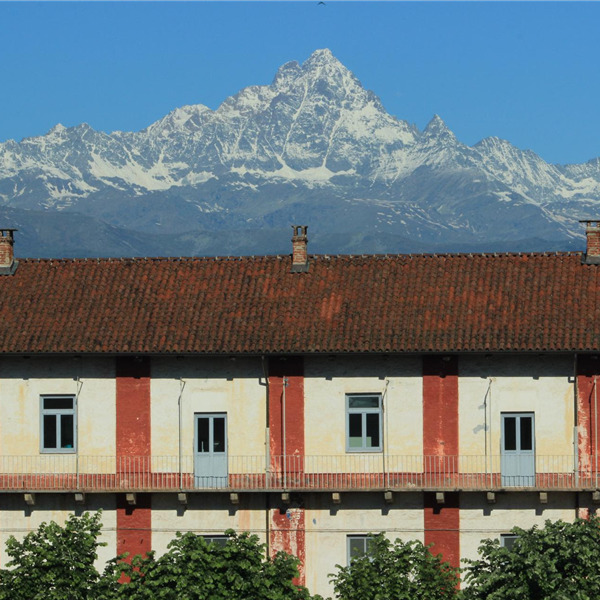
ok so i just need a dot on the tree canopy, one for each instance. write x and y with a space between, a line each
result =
559 561
396 571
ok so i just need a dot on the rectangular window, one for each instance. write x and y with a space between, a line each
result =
507 540
219 540
363 423
358 545
58 424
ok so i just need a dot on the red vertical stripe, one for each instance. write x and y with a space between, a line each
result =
440 440
134 523
442 526
588 370
287 523
133 406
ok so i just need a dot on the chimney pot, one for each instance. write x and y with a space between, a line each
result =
592 234
8 264
299 252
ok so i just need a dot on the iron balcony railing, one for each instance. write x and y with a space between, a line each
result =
71 472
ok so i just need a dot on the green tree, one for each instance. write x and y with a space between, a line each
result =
557 562
54 562
396 571
193 569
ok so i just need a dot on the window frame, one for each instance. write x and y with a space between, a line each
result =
511 537
364 537
57 412
364 411
219 540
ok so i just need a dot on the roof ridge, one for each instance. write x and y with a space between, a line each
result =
386 256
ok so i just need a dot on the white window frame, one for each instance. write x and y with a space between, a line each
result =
511 538
58 412
364 412
220 540
363 538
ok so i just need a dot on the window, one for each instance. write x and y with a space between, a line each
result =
363 423
358 545
507 540
219 540
57 424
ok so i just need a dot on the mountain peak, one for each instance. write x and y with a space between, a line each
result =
58 128
323 58
438 130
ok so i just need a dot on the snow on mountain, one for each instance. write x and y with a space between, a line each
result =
314 144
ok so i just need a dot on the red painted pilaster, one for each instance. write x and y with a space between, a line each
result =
440 445
588 370
287 523
134 523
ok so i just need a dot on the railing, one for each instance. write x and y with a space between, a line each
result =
69 472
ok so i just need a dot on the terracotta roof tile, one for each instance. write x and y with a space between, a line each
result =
404 303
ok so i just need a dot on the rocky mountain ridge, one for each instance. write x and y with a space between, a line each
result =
314 147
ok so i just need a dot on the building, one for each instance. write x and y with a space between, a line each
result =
307 399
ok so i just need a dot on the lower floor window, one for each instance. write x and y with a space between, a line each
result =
219 540
358 545
58 424
507 540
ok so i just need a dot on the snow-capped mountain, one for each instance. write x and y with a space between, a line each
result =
313 147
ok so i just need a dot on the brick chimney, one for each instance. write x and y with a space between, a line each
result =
8 264
299 253
592 233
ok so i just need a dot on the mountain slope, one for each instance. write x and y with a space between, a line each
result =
312 147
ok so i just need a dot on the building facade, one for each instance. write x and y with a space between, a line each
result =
310 400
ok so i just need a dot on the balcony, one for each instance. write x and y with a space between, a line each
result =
349 472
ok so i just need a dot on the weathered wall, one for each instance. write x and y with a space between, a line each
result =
328 526
206 514
18 519
24 380
479 520
328 380
208 385
539 384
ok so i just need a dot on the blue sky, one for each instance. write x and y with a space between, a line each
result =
528 72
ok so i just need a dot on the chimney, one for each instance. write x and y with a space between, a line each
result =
299 253
592 234
8 264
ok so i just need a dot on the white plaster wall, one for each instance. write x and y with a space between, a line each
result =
328 525
212 385
327 381
23 381
205 514
539 384
480 520
18 519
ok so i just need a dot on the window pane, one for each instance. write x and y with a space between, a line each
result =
219 434
510 433
218 540
526 437
355 431
203 441
58 403
49 431
372 430
356 547
67 437
363 402
508 540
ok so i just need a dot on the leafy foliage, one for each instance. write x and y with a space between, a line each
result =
57 563
557 562
54 562
195 569
396 571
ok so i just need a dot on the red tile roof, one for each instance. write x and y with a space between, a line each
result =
404 303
